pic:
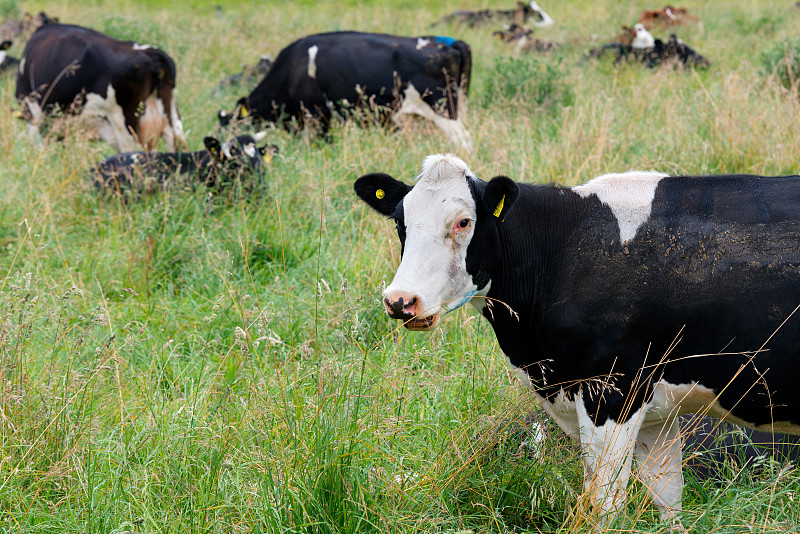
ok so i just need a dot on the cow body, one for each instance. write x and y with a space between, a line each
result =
125 89
672 52
321 75
623 302
213 167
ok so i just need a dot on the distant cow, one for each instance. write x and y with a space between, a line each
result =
673 52
320 76
523 40
249 76
7 62
666 16
623 302
218 164
524 13
21 30
126 89
710 446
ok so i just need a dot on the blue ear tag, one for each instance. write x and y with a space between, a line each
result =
456 304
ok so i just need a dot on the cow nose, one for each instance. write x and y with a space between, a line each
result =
401 305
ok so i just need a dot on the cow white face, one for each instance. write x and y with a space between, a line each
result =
436 222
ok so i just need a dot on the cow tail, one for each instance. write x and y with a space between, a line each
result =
466 65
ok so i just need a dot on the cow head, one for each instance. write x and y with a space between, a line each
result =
448 229
241 152
241 112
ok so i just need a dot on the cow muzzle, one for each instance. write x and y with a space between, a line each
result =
407 308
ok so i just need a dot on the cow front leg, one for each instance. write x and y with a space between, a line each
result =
658 453
607 451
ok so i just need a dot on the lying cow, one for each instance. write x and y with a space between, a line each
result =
249 75
666 16
7 62
217 165
21 30
673 52
523 40
125 89
711 446
524 13
623 302
316 77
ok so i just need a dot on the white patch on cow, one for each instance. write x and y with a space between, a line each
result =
433 267
108 120
422 43
22 64
629 195
546 19
658 454
137 46
226 149
3 55
135 157
607 456
669 13
312 61
453 128
670 400
175 128
643 38
250 150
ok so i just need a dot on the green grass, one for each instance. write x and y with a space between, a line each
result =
181 364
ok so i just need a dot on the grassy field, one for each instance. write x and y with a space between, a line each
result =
186 364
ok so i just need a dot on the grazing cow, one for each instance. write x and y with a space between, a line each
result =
331 73
523 39
217 165
522 14
127 90
7 62
623 302
709 445
14 30
666 16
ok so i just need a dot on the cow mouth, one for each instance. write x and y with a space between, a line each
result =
421 324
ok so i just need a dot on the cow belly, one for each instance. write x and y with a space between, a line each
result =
109 120
671 400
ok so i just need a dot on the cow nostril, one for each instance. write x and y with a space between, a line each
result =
410 302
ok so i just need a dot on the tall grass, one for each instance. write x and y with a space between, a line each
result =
195 364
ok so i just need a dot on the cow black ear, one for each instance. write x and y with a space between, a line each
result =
213 147
5 45
500 194
382 192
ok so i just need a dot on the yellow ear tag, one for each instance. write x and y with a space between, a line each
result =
267 157
380 194
499 209
243 112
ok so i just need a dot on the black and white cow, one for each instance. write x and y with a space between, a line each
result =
327 74
218 164
126 89
623 302
522 14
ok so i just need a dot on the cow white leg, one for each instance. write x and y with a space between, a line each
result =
452 128
658 453
35 113
607 456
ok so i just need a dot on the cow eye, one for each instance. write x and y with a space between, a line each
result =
461 225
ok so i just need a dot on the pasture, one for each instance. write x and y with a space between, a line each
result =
192 362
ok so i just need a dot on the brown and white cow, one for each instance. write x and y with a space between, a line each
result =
666 16
125 89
